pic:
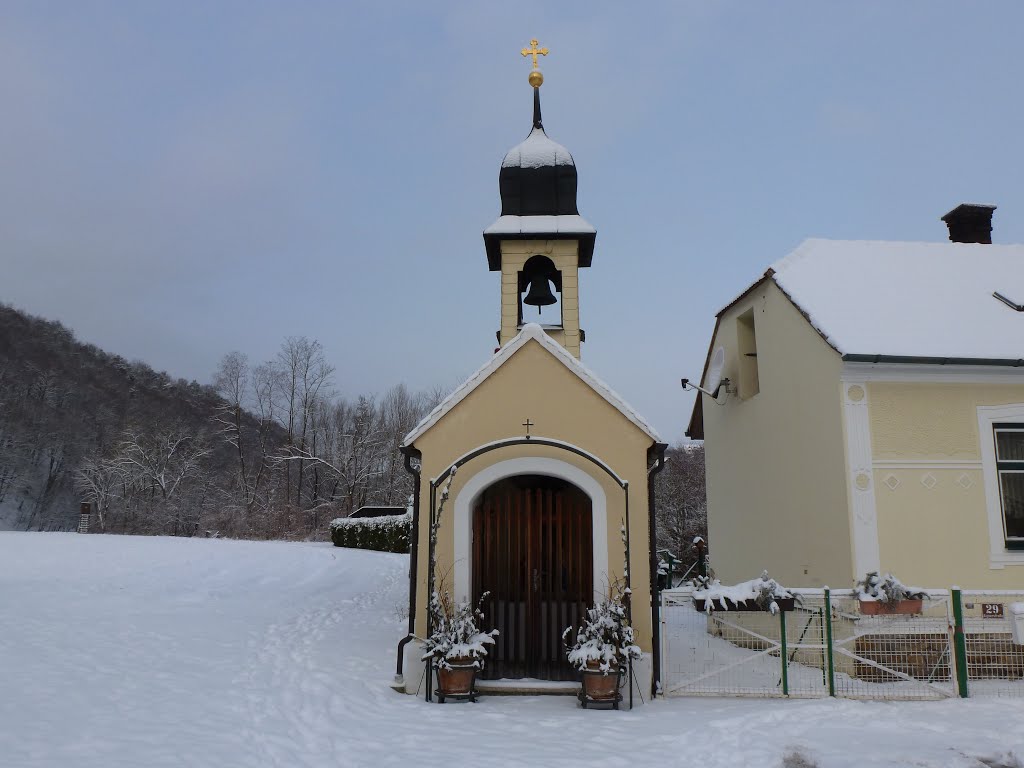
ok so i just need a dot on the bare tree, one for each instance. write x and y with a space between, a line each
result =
682 509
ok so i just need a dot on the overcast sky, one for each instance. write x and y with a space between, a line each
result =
183 179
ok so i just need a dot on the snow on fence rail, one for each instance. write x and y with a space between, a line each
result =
829 644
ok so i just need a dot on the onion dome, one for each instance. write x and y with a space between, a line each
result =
538 176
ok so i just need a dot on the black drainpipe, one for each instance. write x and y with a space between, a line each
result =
411 454
656 454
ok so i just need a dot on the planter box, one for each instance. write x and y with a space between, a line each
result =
784 603
880 608
457 679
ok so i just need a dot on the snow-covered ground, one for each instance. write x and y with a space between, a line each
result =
130 651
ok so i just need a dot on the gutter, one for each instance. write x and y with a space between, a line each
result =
411 455
656 454
910 360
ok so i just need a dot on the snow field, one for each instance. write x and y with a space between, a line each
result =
137 651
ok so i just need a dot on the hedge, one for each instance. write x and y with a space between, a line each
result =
384 534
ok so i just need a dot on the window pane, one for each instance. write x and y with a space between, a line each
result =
1009 445
1011 485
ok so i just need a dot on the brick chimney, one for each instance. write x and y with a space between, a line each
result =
970 223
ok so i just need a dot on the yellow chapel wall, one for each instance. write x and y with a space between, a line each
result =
775 461
533 384
930 497
565 255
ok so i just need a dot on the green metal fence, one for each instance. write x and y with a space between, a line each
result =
955 644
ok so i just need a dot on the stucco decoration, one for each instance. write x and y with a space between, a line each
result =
857 417
965 481
910 421
891 482
929 481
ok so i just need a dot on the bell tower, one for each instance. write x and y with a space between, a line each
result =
540 241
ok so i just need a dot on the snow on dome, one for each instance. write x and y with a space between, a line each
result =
536 152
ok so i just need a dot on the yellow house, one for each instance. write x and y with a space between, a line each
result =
864 410
550 501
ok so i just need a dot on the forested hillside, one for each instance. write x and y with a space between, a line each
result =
268 451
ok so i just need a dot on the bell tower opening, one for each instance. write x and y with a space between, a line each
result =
536 281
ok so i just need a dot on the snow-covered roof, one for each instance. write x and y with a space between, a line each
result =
537 151
535 332
901 299
540 225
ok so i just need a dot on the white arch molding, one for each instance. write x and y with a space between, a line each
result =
487 476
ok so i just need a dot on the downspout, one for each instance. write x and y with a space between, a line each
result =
411 455
655 454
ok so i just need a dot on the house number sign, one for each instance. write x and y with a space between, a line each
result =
992 610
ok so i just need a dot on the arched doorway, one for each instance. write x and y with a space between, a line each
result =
533 552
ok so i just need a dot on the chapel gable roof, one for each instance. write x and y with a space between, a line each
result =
531 331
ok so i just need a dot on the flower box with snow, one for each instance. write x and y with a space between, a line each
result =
761 594
601 650
457 646
880 595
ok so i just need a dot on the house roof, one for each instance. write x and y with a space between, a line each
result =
535 332
910 300
903 302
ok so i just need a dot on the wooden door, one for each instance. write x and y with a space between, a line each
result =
532 552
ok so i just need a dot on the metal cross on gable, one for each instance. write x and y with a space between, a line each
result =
528 424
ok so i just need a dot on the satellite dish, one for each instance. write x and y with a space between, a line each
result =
714 378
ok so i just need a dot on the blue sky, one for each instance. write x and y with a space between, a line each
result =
179 180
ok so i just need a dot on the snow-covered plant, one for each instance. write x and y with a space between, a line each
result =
886 589
604 638
457 633
763 591
455 628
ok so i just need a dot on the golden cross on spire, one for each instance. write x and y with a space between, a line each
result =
534 51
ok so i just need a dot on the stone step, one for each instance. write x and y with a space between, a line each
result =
527 687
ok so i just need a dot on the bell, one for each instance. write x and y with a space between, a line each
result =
539 294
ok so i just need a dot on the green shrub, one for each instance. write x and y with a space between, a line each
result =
383 534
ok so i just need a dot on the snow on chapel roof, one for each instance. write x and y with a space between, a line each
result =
905 299
536 332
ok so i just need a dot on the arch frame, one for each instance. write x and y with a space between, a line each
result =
526 465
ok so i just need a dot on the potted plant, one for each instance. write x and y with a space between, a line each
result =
761 594
601 649
457 646
878 594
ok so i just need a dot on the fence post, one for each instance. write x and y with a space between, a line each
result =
784 655
829 650
959 643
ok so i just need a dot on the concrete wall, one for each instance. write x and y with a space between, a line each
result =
565 255
776 477
532 383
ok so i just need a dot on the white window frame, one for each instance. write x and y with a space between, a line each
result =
989 417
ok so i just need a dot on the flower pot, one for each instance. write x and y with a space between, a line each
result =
598 686
721 604
455 677
876 607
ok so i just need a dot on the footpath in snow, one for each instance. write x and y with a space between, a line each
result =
121 651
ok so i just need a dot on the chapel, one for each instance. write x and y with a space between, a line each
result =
539 475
